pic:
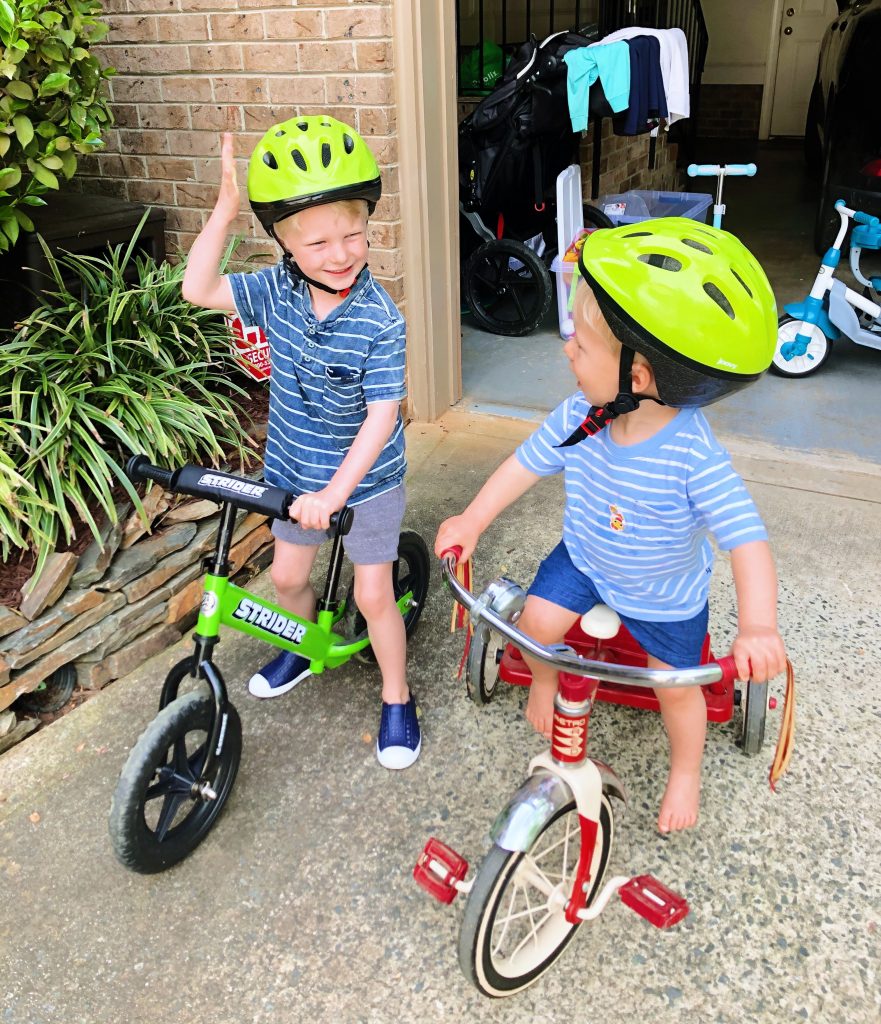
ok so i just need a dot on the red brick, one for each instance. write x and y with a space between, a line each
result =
376 121
189 193
374 56
269 57
193 143
150 59
185 88
151 192
183 220
357 22
132 28
238 28
125 89
237 89
164 115
362 90
297 89
168 169
215 117
324 56
294 24
125 115
182 27
216 57
147 142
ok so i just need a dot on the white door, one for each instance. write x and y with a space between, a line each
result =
802 25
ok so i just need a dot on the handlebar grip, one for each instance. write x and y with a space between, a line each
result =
747 169
864 218
342 520
139 470
729 670
455 551
703 170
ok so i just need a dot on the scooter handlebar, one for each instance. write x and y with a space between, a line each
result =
714 170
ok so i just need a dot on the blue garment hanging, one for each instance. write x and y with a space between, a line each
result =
611 65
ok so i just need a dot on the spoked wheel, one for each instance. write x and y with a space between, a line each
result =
482 664
817 352
754 703
507 287
156 819
514 926
410 573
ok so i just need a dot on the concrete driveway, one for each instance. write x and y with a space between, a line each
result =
299 907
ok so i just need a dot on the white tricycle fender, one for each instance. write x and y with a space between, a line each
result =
545 792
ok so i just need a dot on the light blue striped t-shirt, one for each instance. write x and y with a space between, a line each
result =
637 517
324 375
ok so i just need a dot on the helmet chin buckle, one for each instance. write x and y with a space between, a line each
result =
296 275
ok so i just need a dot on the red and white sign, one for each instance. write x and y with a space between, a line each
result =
249 348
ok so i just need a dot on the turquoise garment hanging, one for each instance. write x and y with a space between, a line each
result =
611 65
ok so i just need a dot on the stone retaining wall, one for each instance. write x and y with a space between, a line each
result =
123 599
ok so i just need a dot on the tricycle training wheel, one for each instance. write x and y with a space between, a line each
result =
514 926
411 572
754 706
507 287
155 819
817 352
482 664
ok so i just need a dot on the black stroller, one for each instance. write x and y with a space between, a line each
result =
511 149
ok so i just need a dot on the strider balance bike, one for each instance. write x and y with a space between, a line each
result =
181 771
544 874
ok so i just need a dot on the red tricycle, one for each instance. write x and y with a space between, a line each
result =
543 875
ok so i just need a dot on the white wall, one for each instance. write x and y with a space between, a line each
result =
740 32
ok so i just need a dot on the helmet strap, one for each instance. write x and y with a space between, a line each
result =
296 275
624 402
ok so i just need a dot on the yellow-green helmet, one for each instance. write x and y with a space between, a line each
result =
691 298
308 161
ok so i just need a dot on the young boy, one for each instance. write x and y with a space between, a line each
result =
670 315
335 434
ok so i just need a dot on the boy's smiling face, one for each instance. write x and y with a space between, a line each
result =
328 243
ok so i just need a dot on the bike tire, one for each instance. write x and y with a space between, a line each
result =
479 952
506 299
411 571
149 774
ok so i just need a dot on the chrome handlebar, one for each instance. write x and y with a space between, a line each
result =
565 659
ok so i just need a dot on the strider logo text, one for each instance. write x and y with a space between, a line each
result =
231 484
272 622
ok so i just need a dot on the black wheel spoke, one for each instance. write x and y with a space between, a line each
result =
167 815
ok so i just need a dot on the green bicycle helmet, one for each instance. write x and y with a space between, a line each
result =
691 298
309 161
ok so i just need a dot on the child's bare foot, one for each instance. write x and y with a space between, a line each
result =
540 706
681 801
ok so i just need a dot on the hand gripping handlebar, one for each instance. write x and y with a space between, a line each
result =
565 659
215 485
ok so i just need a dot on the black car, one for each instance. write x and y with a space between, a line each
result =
843 130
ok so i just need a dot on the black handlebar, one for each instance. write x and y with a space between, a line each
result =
252 495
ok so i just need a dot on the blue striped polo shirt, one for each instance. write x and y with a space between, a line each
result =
637 517
324 375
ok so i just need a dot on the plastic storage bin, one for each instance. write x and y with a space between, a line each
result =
564 272
638 205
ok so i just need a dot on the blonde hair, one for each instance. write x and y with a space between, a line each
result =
349 207
590 313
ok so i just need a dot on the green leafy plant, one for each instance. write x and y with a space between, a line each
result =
53 104
113 362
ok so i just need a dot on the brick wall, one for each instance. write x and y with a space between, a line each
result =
190 69
730 111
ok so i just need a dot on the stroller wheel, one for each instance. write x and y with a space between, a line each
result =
507 287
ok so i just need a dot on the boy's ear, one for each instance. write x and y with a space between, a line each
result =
642 378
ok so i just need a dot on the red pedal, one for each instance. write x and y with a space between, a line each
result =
652 900
437 868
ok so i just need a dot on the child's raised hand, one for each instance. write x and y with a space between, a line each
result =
227 205
759 653
457 531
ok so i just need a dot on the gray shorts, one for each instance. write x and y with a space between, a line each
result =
373 538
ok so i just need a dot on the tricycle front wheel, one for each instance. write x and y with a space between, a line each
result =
817 352
514 926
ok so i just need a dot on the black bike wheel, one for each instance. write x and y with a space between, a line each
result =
507 287
512 931
595 218
410 572
155 820
52 694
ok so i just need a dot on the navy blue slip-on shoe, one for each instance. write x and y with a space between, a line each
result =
280 675
399 740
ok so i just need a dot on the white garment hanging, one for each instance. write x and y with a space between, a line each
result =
674 65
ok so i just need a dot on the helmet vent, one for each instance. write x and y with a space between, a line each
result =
697 245
639 234
303 126
325 154
270 161
280 133
325 124
299 159
659 260
348 143
719 297
742 282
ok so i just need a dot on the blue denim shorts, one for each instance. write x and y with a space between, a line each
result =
678 644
